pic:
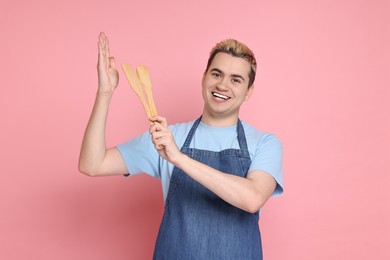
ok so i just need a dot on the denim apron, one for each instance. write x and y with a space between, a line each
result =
197 224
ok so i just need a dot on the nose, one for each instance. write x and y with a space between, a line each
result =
223 84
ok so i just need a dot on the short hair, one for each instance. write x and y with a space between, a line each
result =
236 49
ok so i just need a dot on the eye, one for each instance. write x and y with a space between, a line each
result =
236 80
216 74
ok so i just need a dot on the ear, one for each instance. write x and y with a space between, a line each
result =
249 93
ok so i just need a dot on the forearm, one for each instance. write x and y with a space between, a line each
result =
249 193
237 191
93 147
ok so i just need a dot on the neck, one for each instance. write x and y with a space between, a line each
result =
219 120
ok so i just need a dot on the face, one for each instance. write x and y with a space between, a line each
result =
225 86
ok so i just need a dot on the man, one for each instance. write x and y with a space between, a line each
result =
216 172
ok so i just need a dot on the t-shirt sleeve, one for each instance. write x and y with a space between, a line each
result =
268 158
140 155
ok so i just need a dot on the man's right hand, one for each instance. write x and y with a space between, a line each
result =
107 72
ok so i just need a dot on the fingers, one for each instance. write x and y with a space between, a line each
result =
159 131
159 119
104 52
102 43
163 140
160 141
160 134
107 46
157 127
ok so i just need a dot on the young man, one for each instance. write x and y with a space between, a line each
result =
216 171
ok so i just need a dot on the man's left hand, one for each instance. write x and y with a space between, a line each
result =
163 140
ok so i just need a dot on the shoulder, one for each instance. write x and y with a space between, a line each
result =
260 138
267 155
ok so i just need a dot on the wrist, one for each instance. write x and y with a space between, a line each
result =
181 160
104 95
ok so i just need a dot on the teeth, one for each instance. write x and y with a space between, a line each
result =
220 96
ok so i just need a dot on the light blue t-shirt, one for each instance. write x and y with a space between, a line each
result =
265 151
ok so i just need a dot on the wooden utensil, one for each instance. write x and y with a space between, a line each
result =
141 84
143 75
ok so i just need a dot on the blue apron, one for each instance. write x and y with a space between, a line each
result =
197 224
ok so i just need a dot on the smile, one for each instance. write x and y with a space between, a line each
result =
217 95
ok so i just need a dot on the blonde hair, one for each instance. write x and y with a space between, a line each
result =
236 49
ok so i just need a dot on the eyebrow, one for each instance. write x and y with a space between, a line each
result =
233 75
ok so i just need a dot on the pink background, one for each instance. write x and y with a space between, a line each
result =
322 87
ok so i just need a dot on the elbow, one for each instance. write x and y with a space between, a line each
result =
253 208
87 170
255 204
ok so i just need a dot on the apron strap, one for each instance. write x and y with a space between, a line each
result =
241 136
191 133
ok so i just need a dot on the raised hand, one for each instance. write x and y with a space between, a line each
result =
107 72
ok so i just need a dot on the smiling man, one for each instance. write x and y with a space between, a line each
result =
225 86
216 171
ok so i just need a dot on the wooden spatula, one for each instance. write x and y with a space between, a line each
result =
141 84
143 75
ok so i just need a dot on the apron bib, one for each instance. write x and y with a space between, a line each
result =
197 224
